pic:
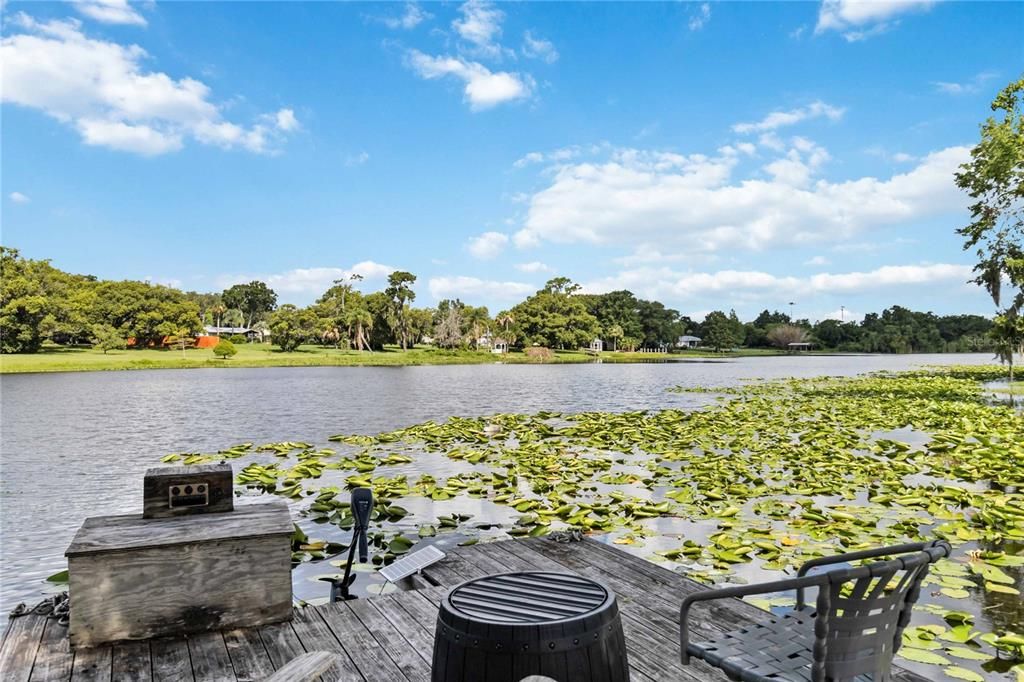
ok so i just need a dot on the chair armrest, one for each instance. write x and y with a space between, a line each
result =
738 591
866 554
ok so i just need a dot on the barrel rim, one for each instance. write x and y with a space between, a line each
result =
608 603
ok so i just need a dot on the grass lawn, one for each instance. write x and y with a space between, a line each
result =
58 359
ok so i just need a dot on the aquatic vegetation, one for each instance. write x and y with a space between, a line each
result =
773 474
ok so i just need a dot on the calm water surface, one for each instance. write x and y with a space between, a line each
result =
74 445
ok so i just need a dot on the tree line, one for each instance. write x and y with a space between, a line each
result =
40 303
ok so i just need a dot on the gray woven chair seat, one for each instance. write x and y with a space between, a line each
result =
850 635
781 649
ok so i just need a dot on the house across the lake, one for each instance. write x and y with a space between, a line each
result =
799 347
597 345
254 335
688 342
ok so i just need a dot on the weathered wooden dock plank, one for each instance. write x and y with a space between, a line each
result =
93 664
369 657
132 662
170 658
249 658
314 634
390 638
210 659
281 642
20 646
54 658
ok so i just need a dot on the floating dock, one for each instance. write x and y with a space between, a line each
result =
390 638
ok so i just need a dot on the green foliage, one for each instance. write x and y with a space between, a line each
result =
722 331
290 327
107 338
238 338
400 293
254 299
224 349
145 312
555 317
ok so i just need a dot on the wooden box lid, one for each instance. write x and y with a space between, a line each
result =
101 534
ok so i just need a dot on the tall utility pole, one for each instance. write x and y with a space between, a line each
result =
792 320
842 313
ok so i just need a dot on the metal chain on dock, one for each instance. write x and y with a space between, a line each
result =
57 607
574 535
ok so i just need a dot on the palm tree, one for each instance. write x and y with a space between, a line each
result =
506 321
361 322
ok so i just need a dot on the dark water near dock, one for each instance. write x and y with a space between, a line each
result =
74 445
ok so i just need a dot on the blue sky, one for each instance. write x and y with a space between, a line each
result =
709 155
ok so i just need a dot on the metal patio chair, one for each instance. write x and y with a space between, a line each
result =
851 635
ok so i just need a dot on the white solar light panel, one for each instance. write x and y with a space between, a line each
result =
414 562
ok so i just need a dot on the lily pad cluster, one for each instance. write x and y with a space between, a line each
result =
773 474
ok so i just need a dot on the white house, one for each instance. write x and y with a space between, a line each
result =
597 345
688 342
499 345
255 334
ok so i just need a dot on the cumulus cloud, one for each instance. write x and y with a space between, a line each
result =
538 48
412 17
487 245
473 288
694 203
483 88
480 26
533 266
731 286
700 18
110 11
102 90
968 87
304 284
780 119
861 19
817 261
19 198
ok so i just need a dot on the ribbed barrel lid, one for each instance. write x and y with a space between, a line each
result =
527 597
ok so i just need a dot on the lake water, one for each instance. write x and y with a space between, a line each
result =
74 445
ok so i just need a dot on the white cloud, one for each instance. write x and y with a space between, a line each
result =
894 157
700 18
19 198
557 156
412 17
285 120
483 87
480 25
538 48
304 284
359 159
533 266
694 203
817 260
731 286
779 119
487 245
110 11
969 87
861 19
474 289
101 89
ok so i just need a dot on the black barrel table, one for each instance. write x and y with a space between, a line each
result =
505 627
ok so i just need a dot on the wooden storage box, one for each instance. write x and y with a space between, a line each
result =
136 578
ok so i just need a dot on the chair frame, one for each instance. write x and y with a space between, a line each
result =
919 554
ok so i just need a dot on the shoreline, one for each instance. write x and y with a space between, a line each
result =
311 356
264 355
